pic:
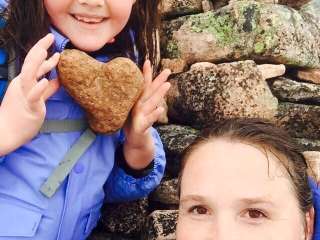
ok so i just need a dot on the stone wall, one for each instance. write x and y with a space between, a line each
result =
229 59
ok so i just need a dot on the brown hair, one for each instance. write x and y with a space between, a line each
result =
26 23
270 138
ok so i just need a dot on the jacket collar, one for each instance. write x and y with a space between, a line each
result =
60 40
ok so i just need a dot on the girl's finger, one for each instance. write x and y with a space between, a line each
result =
147 75
35 57
157 82
36 93
153 117
48 65
153 102
147 71
52 87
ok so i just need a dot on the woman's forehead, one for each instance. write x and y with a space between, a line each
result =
221 166
239 156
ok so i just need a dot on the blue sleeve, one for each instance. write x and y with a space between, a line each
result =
316 205
1 159
3 56
3 4
121 187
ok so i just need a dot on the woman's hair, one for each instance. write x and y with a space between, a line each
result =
27 22
268 137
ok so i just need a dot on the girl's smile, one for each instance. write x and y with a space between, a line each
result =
88 19
89 24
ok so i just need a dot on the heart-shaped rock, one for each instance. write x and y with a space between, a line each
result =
107 91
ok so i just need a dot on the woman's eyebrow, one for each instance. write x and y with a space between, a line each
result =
257 200
193 197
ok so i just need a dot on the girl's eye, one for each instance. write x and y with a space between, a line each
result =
199 210
255 214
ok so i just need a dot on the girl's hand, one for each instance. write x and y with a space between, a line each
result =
23 110
139 145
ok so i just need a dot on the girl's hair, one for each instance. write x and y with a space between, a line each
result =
270 138
26 23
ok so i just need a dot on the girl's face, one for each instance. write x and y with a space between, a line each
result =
230 190
89 24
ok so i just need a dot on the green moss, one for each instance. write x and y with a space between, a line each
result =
264 37
239 27
221 26
227 26
173 49
259 48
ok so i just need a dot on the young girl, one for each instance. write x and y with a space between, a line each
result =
35 201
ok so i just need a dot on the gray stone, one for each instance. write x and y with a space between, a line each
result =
108 236
175 139
219 3
167 192
301 121
291 3
175 65
309 144
207 5
288 90
313 160
169 8
248 29
311 11
309 75
161 225
204 96
168 46
294 3
125 218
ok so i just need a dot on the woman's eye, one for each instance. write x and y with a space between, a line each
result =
255 214
199 210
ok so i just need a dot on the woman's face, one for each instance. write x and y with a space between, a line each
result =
230 190
89 24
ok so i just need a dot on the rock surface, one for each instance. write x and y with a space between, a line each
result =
171 8
167 192
313 159
309 144
175 139
310 75
125 218
106 91
247 29
204 96
292 91
301 121
161 225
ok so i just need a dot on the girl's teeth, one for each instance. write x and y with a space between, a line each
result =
88 20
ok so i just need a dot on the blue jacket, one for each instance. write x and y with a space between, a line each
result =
75 208
316 204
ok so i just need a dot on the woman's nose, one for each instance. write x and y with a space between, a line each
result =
92 2
224 229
